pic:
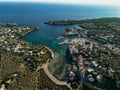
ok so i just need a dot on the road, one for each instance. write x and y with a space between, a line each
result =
56 81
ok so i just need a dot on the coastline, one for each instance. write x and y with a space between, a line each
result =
78 47
39 59
45 66
52 53
35 56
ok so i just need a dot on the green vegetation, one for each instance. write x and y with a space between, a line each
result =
63 22
20 63
44 83
95 59
103 22
104 30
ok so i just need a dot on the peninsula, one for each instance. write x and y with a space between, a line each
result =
92 57
23 66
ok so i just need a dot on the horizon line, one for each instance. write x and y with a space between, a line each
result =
69 3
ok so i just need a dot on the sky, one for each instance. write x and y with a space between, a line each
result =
89 2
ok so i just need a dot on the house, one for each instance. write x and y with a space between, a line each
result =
99 77
90 70
94 63
71 75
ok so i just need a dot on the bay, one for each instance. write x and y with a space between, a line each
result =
37 13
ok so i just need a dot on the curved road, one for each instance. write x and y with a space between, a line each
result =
56 81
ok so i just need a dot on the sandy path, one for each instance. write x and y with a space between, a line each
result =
56 81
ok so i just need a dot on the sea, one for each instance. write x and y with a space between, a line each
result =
35 14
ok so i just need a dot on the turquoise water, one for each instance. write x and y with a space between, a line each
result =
37 13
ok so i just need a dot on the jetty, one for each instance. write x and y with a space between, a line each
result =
60 37
64 42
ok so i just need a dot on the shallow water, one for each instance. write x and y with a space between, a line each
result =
37 13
